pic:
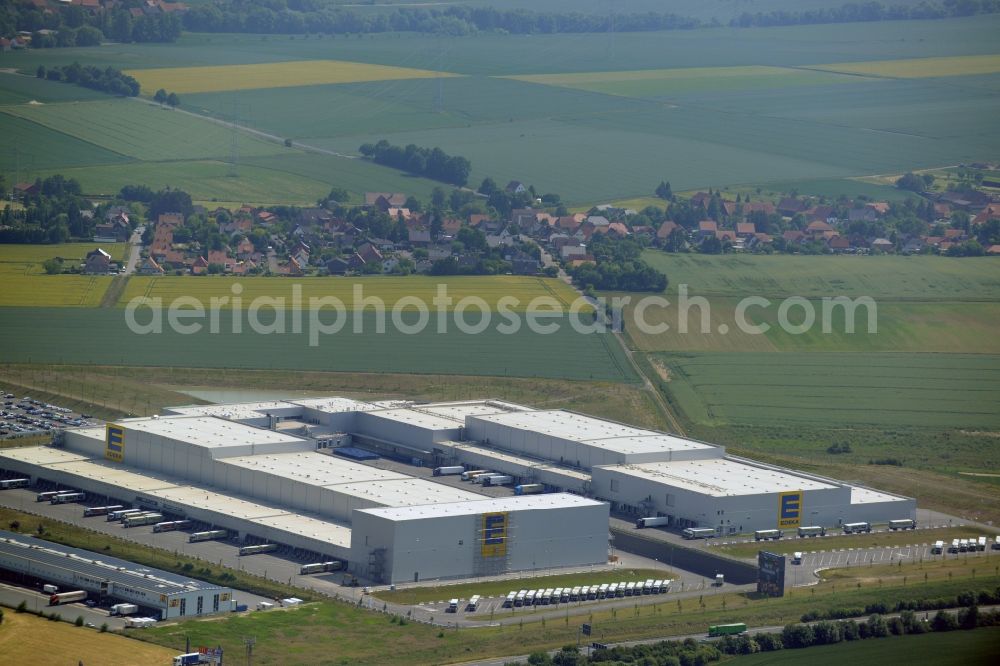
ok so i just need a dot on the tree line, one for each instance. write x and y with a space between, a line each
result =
861 12
50 214
72 25
433 163
109 79
618 267
791 637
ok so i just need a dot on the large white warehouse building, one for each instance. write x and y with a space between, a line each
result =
265 471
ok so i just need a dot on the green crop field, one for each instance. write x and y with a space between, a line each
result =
918 278
36 254
836 389
31 147
666 82
40 335
695 110
958 648
205 180
389 289
142 131
19 89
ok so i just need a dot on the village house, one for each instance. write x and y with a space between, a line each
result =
148 266
97 262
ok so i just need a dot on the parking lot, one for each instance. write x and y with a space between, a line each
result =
27 416
813 560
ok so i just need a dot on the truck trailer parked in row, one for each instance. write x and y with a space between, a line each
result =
140 519
903 524
259 548
448 471
652 521
208 535
767 535
10 484
857 528
68 498
124 609
811 531
529 489
698 533
100 510
172 525
67 597
320 567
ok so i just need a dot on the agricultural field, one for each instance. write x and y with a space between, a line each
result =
35 254
692 109
890 278
21 89
823 390
207 181
20 290
918 68
29 148
49 335
184 80
142 131
665 82
389 289
27 639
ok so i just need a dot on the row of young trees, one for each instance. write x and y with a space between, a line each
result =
72 25
433 163
109 79
792 637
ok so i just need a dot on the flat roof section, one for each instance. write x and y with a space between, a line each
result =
649 444
406 492
485 505
316 469
117 476
869 496
321 529
230 505
514 459
238 411
333 404
459 410
99 565
206 431
415 417
719 477
566 425
42 455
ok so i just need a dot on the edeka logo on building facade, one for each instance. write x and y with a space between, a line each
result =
790 509
114 443
494 535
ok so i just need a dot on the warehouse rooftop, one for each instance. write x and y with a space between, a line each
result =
416 417
595 432
406 492
317 469
238 411
206 431
519 460
333 404
485 505
98 565
868 496
720 477
459 410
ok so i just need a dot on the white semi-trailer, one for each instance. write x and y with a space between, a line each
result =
448 471
652 521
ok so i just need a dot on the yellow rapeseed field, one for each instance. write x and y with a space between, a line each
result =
917 68
52 290
270 75
390 289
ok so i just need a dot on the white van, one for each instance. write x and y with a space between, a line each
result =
797 558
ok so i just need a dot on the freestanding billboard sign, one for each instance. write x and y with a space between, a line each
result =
771 574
